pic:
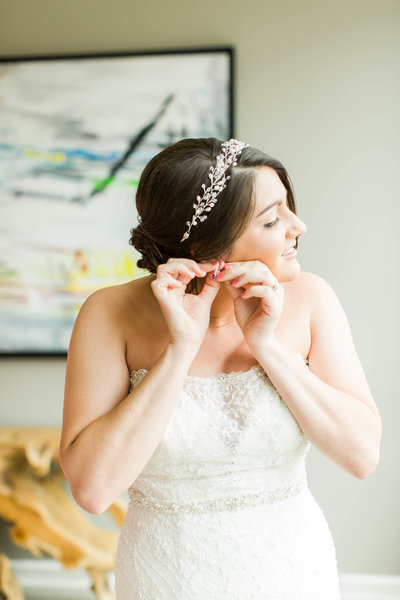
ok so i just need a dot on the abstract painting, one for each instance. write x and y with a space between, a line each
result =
75 134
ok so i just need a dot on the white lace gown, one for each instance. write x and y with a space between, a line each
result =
222 511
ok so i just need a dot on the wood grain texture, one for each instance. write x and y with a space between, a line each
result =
44 518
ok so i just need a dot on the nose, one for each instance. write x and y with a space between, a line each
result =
297 227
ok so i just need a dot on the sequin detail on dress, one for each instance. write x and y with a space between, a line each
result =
222 509
224 503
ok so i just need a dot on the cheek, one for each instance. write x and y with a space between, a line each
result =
269 240
271 247
259 244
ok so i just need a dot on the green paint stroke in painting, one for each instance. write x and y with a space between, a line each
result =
99 184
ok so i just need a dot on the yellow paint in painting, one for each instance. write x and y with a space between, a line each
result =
56 157
92 270
125 267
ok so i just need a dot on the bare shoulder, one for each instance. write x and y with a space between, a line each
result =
299 296
105 323
322 300
98 331
108 296
118 303
326 312
97 373
312 292
307 284
333 356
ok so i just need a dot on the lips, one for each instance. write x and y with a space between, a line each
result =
288 251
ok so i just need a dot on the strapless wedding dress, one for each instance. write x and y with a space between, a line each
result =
222 510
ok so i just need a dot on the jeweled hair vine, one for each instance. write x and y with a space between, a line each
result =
218 182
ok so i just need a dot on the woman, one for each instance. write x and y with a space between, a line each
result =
201 387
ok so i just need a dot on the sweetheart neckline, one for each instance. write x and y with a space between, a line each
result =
222 375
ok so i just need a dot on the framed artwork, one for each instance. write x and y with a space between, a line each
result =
75 134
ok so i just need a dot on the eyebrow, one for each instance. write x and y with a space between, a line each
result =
278 202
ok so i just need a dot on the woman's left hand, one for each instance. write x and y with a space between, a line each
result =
258 306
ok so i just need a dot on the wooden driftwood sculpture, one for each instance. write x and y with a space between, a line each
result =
44 518
9 587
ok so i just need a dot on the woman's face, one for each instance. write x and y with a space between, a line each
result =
273 229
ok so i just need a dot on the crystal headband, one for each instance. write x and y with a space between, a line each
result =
227 158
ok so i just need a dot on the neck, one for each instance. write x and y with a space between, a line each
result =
222 310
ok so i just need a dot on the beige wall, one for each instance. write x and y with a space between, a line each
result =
317 85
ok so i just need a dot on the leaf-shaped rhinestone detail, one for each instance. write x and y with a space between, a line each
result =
218 181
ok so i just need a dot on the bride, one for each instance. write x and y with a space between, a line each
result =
201 387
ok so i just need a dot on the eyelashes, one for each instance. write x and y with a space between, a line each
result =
272 223
276 221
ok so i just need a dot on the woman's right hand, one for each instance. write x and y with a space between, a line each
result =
187 315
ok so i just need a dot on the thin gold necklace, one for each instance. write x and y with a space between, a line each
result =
223 324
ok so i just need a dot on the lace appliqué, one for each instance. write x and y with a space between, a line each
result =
231 443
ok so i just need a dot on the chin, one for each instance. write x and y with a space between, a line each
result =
288 274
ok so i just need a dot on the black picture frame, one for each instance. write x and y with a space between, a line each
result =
74 130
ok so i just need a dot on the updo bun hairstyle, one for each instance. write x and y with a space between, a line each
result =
167 190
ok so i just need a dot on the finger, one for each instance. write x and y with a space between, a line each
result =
196 266
231 271
260 291
238 269
234 292
187 274
221 264
210 289
165 282
213 266
251 277
179 270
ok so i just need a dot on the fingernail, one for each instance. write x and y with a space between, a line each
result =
228 266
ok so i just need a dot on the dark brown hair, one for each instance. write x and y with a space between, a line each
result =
167 189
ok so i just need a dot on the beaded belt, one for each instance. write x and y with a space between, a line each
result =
228 503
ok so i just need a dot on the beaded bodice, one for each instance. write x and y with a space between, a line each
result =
222 509
231 441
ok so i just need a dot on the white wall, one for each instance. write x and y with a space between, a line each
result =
317 85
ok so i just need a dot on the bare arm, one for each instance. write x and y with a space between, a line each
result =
331 402
109 434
